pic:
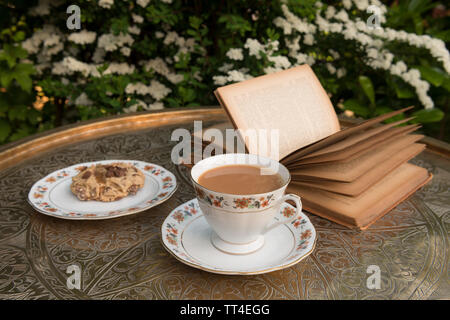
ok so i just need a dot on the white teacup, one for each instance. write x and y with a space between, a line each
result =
239 222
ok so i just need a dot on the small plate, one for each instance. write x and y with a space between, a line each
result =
187 236
52 195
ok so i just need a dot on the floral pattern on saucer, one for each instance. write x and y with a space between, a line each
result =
39 195
175 223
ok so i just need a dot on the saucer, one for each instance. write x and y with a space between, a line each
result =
187 236
52 195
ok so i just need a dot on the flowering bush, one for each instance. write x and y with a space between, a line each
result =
138 55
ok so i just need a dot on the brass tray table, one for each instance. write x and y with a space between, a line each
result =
123 258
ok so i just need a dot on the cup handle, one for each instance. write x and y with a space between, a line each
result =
298 204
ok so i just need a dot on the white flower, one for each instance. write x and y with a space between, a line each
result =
398 68
342 15
99 55
341 72
269 70
235 54
237 76
155 106
119 68
134 30
138 88
225 67
156 89
125 51
137 18
293 45
334 54
372 41
220 80
197 76
143 3
49 35
107 4
134 107
254 47
82 37
111 42
131 109
347 4
361 4
158 65
83 100
69 65
283 24
280 62
175 78
271 47
42 9
53 50
330 12
171 37
308 39
331 69
298 24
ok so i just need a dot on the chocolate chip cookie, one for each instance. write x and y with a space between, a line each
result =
107 182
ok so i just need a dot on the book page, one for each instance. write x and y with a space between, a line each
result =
364 209
354 139
338 136
350 170
370 177
349 152
291 101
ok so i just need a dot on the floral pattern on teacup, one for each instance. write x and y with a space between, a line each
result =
234 202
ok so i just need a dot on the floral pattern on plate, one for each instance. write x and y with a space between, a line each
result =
163 185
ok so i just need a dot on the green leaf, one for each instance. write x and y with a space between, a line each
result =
235 23
6 78
11 53
418 24
17 112
25 83
446 84
19 36
417 6
355 106
22 132
5 130
433 75
402 90
367 86
383 110
428 115
444 35
187 94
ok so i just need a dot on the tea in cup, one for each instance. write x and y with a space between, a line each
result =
240 195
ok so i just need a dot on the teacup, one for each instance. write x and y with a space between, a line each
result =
239 222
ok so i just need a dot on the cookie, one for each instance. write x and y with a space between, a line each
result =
107 182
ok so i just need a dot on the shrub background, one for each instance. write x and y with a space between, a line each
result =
139 55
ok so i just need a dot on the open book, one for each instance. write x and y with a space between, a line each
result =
351 176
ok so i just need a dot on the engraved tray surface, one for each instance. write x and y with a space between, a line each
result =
123 258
